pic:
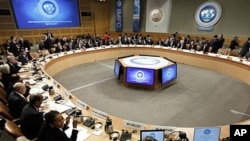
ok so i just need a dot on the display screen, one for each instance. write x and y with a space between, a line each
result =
46 13
152 135
140 76
207 134
169 73
117 69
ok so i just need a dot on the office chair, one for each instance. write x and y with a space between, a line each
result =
234 52
222 51
4 111
3 96
3 99
12 129
22 138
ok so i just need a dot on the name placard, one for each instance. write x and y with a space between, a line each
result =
100 114
55 83
134 125
81 104
168 129
66 95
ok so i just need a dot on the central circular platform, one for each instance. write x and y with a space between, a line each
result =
148 72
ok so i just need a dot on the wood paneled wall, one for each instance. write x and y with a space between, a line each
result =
100 13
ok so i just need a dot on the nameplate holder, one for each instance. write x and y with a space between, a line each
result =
55 83
66 95
100 114
133 125
236 59
246 62
81 104
167 129
239 132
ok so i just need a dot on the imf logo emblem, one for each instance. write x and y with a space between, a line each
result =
140 75
169 72
207 131
156 15
208 14
48 8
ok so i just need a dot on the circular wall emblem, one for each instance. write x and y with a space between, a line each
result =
208 14
48 8
156 15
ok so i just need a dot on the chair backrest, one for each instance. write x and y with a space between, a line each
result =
2 91
3 99
3 96
234 52
4 111
12 129
223 51
34 55
21 138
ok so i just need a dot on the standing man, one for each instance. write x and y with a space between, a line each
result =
245 48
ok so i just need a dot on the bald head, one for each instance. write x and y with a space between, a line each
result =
19 87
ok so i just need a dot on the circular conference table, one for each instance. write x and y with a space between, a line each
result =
224 64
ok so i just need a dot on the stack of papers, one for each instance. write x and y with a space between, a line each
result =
82 133
63 105
36 91
24 70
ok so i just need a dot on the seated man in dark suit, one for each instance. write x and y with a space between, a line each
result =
17 100
54 127
23 57
11 61
31 118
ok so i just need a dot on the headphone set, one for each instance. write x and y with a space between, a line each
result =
115 135
96 125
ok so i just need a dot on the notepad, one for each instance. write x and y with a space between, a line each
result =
82 132
24 70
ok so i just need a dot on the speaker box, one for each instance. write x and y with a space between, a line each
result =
86 13
4 12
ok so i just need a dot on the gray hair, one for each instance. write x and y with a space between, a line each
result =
5 68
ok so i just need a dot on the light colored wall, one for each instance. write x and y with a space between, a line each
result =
235 17
163 25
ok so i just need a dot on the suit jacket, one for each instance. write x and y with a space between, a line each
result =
14 49
245 49
24 44
31 121
214 45
233 44
23 59
16 104
48 133
181 46
14 68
